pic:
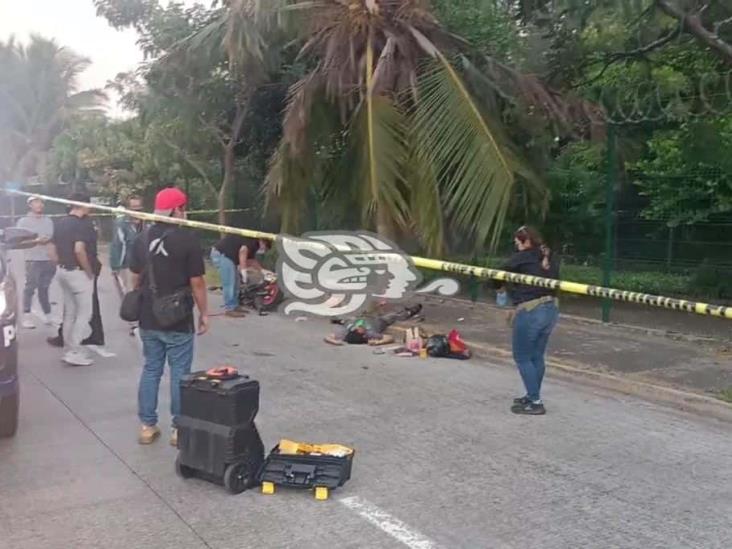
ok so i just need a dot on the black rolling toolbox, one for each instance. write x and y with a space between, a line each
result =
320 472
217 438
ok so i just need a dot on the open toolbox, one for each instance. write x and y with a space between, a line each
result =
295 465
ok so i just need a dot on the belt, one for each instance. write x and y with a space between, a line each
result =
70 267
534 303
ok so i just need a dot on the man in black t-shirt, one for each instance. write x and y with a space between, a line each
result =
234 256
74 250
175 257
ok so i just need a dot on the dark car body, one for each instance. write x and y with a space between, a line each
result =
9 385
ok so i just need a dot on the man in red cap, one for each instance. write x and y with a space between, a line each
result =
167 260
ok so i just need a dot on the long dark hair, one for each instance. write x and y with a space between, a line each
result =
529 234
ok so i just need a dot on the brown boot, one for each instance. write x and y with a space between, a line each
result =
148 434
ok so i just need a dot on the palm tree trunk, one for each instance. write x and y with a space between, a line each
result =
383 223
223 193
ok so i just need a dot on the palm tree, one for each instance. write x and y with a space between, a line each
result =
407 144
38 95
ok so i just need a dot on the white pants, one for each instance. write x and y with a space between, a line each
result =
77 290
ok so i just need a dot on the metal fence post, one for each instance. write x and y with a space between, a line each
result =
610 183
474 284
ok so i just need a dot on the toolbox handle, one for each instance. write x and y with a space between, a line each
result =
222 373
300 474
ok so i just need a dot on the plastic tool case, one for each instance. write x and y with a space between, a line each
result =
312 471
217 438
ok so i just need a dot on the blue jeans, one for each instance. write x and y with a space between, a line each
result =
229 279
157 347
531 331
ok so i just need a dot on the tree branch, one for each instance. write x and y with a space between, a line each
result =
613 58
692 24
193 164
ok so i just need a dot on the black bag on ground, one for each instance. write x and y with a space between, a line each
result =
438 346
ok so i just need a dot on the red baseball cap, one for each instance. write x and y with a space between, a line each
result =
170 199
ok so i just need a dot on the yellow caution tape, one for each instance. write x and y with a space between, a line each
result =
190 212
697 307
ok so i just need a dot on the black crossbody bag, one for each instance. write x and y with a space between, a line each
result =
169 309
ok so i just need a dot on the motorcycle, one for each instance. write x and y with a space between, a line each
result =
264 296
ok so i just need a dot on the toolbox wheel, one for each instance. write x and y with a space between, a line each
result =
321 493
236 477
268 488
183 471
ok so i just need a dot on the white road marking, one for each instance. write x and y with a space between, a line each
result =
387 523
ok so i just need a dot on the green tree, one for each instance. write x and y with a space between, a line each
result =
38 95
194 100
384 123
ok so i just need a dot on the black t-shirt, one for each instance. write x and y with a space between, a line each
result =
529 262
230 245
177 260
69 230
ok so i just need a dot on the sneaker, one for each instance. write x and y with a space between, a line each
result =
523 401
57 341
235 314
174 437
76 358
43 318
148 434
530 409
102 351
28 324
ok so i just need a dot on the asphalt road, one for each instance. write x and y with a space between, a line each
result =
440 463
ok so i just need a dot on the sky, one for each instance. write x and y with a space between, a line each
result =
74 24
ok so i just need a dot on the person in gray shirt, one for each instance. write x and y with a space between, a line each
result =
39 268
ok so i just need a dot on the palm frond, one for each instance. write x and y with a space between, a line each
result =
297 112
454 136
286 188
425 203
378 133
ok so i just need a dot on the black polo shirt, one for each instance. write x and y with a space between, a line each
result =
230 245
69 230
179 259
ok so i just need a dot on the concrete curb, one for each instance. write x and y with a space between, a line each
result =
669 334
577 373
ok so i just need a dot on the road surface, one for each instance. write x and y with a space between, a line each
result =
440 462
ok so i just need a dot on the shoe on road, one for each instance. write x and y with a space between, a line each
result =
148 434
235 314
524 400
530 409
75 358
28 324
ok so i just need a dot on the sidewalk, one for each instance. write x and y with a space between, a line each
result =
692 365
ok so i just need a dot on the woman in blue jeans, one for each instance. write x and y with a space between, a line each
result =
534 318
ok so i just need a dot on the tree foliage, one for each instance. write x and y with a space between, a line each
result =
435 121
39 96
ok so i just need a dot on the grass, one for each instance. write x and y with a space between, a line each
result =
688 285
212 275
726 395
